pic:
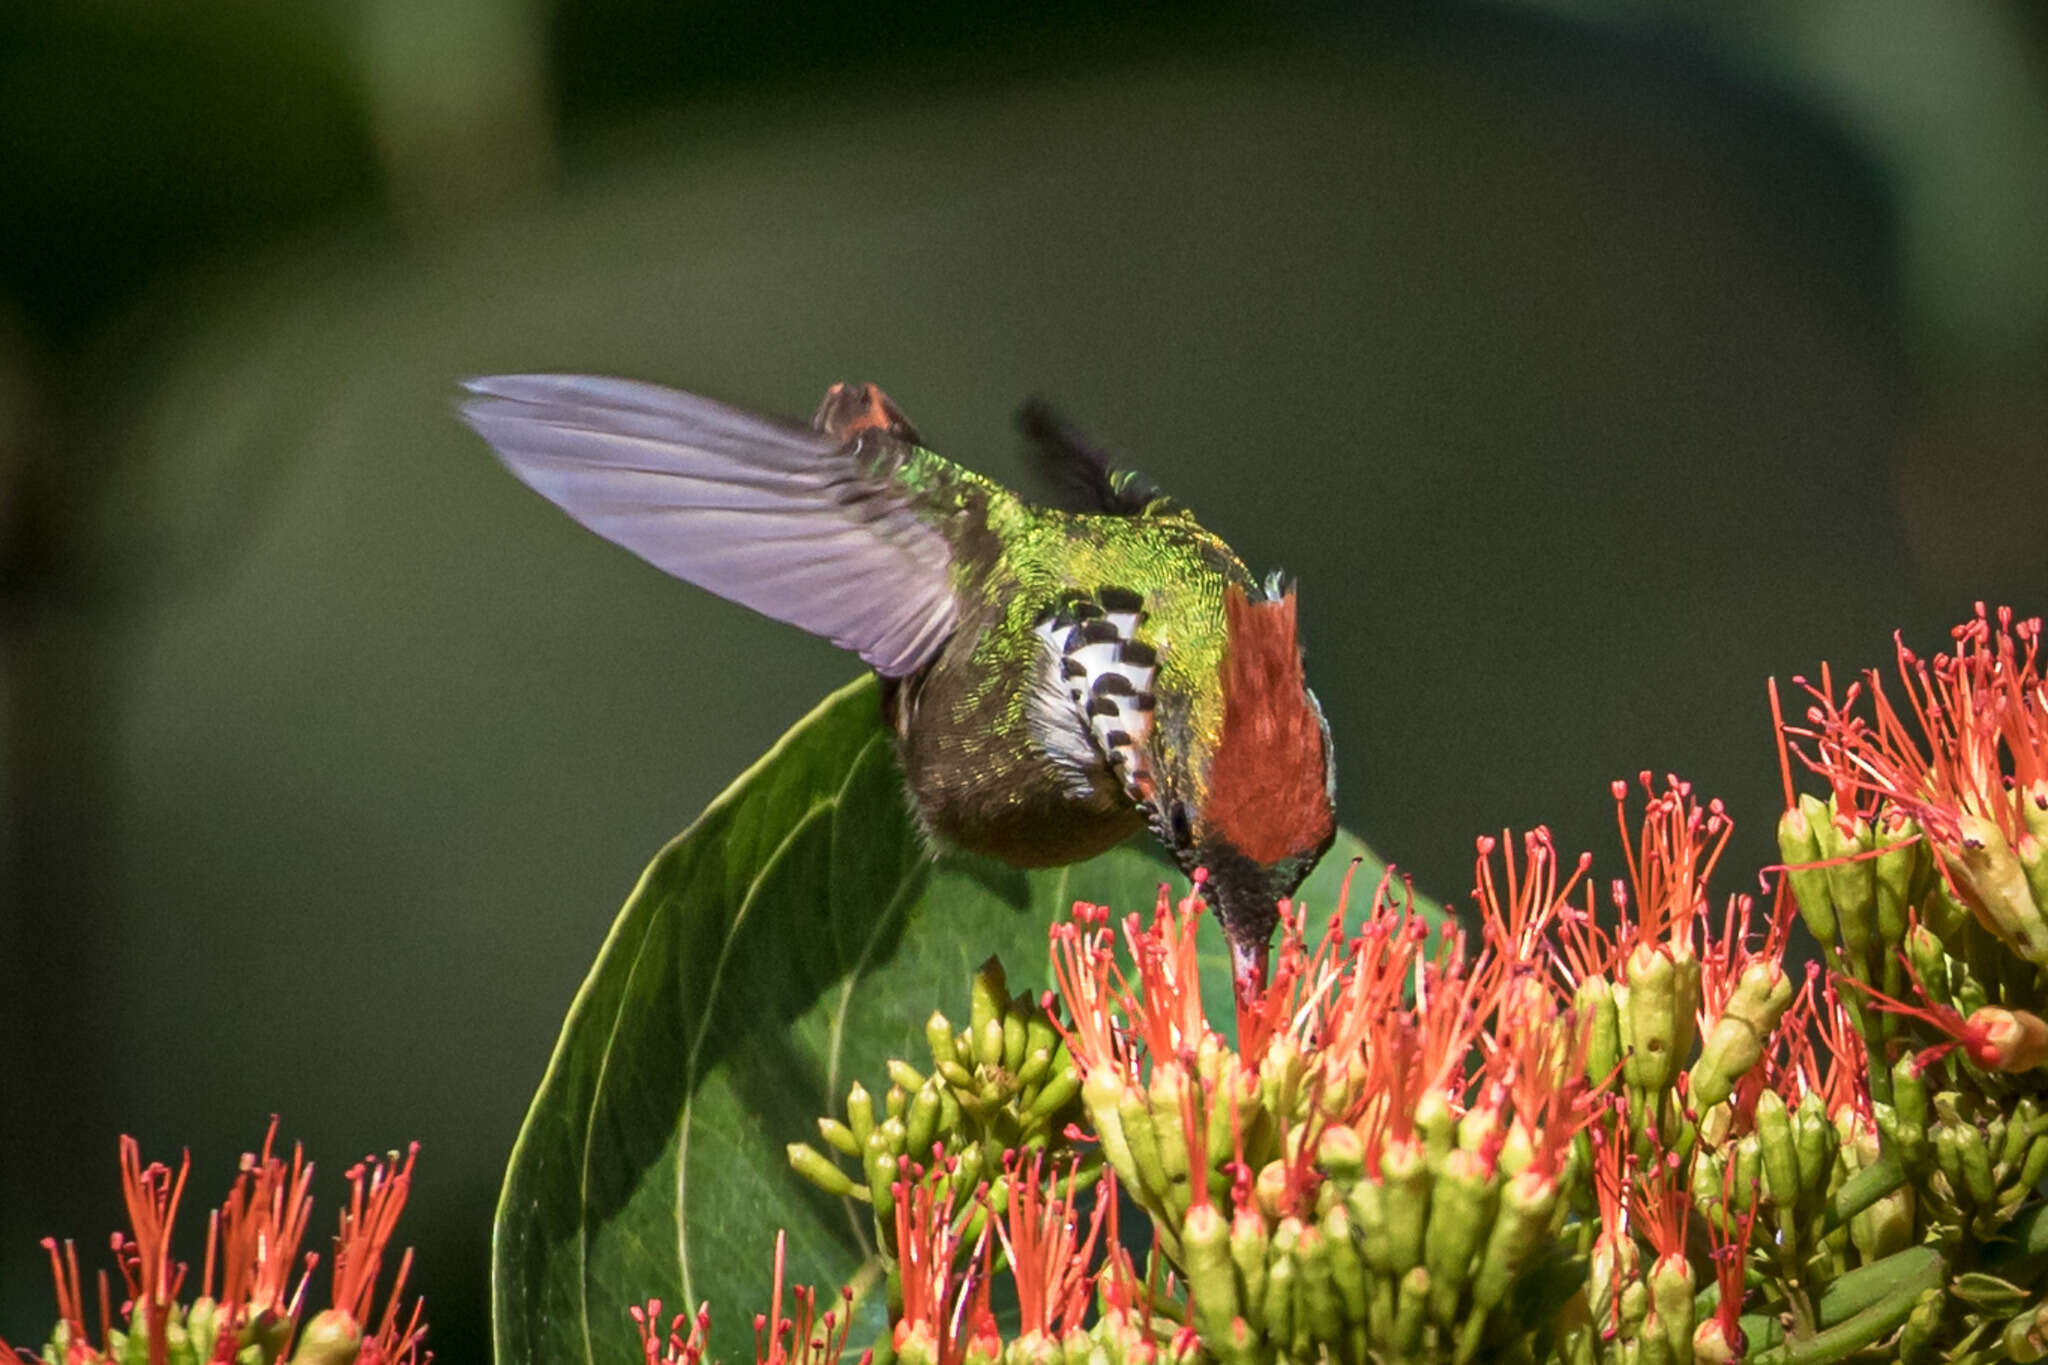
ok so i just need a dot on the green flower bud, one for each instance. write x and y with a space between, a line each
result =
1519 1230
860 1114
1852 880
1367 1203
1249 1251
1320 1320
1780 1156
331 1338
1671 1299
202 1324
1909 1092
1818 1147
1151 1186
1061 1085
1411 1313
1438 1125
1340 1155
1016 1037
1460 1219
905 1075
896 1102
921 1123
1994 883
1283 1286
1884 1227
1595 997
1659 1029
1736 1042
1895 877
988 999
1169 1130
1930 962
1916 1344
1749 1167
1653 1345
892 1132
1212 1281
1347 1268
1948 1156
839 1137
882 1167
1102 1096
1405 1171
2035 1168
988 1044
808 1162
1976 1163
938 1036
1798 848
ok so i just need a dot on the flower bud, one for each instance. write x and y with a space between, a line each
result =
2035 1168
1595 997
333 1337
938 1036
1062 1083
1897 869
1163 1101
1405 1172
1410 1313
1736 1042
1212 1280
1460 1219
1320 1317
1885 1227
1249 1251
1799 849
1016 1038
808 1162
1283 1284
1852 878
921 1123
839 1137
1659 1028
1817 1146
1976 1162
1780 1155
1653 1346
2012 1040
1519 1229
860 1114
988 998
1994 884
1347 1269
1710 1344
1367 1203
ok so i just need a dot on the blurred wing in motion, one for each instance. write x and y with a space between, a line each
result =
791 522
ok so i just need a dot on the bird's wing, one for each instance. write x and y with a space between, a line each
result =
1082 475
797 524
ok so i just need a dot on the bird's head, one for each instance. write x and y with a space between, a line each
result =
1266 815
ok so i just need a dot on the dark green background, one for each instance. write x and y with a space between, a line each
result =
1587 368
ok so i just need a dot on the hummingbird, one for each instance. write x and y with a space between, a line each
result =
1059 675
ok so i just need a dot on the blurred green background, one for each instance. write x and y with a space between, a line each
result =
1589 363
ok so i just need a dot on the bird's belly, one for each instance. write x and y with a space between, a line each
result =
1043 828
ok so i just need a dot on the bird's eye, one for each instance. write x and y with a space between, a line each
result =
1180 824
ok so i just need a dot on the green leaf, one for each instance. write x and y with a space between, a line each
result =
789 942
